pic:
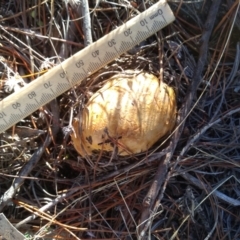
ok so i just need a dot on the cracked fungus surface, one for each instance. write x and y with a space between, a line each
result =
130 112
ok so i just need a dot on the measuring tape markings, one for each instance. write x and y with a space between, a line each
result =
81 65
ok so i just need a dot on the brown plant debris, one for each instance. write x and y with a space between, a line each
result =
185 186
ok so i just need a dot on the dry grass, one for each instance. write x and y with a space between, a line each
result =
196 190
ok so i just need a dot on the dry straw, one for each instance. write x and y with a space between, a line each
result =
185 187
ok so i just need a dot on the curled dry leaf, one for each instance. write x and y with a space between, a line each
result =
130 112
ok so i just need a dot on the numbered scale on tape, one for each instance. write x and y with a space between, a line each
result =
84 63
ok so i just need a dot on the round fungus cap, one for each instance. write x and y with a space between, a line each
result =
128 114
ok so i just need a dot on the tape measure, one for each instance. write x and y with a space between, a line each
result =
84 63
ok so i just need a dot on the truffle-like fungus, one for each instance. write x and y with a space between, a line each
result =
129 113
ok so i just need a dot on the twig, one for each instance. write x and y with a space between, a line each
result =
38 35
183 113
204 129
213 121
9 194
87 29
214 191
49 205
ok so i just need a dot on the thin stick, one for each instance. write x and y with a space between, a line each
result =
9 194
26 169
184 111
87 29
